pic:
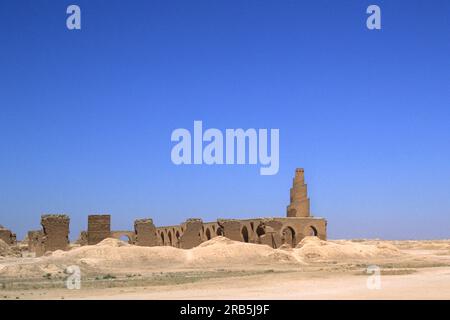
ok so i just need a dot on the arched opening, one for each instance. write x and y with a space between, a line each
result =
312 231
169 235
162 238
219 231
252 225
260 230
208 234
125 238
244 233
289 236
177 239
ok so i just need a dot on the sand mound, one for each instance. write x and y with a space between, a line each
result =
216 241
217 251
314 248
223 251
30 270
112 255
110 242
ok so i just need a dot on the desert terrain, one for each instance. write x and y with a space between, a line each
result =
224 269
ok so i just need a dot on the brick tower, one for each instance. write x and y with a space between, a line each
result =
299 206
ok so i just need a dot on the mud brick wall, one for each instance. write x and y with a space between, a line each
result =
36 242
99 228
272 233
82 239
7 236
145 233
191 236
231 229
56 231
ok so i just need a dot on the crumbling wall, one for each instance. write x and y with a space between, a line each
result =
7 236
82 239
56 231
145 232
231 229
36 242
209 231
122 234
269 233
191 236
99 228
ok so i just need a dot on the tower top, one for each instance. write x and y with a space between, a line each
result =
299 204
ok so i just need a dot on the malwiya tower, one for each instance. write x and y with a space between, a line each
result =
299 206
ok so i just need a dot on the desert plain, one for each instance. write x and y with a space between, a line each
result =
224 269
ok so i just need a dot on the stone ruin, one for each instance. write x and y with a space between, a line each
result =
7 236
145 232
99 228
274 232
55 228
36 242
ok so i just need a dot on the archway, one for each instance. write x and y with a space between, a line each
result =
289 236
260 230
312 231
219 231
208 234
169 235
123 235
244 233
162 238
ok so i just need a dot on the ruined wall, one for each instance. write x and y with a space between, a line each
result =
210 230
145 232
36 242
273 232
269 233
191 236
299 201
56 231
82 238
7 236
231 229
127 236
99 228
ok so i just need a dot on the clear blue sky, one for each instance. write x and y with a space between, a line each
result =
86 116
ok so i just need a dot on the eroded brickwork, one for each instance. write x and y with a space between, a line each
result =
145 232
99 228
36 242
7 236
56 231
192 235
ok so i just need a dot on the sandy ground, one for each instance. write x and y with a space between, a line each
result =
225 269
